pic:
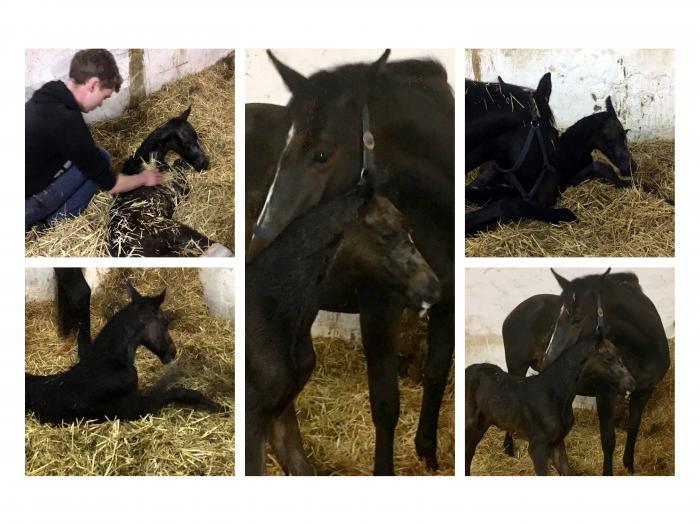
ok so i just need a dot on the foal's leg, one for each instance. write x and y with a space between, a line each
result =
285 440
177 395
380 316
560 460
605 401
474 433
601 171
437 368
519 370
638 401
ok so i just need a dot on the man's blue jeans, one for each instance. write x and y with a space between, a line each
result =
67 196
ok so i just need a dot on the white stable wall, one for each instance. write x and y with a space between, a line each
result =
263 84
160 66
218 285
641 82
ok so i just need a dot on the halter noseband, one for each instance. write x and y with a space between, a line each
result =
368 163
546 166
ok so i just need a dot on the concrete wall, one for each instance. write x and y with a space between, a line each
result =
641 82
263 84
218 284
158 66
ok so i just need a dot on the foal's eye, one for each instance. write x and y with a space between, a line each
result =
321 157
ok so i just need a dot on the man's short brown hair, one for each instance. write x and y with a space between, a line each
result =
99 63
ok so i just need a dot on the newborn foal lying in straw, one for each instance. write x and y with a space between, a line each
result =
104 383
537 407
140 221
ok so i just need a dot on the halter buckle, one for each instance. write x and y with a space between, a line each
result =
368 140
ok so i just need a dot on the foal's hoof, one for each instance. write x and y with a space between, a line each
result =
431 462
629 465
217 250
565 215
508 449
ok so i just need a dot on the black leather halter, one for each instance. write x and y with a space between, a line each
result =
535 130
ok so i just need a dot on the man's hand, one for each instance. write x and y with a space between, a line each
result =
151 177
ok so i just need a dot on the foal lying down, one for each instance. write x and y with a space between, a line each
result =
104 383
537 407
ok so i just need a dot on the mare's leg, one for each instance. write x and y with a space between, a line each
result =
484 194
187 237
488 175
605 401
513 209
254 444
638 401
73 305
539 453
560 460
380 316
437 368
285 440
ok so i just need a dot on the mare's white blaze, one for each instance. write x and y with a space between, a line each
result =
424 307
549 345
265 209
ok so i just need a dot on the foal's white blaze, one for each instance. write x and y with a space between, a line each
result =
424 307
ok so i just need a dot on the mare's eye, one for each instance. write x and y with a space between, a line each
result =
321 157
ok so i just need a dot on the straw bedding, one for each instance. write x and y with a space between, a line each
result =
654 452
336 421
208 208
612 222
174 441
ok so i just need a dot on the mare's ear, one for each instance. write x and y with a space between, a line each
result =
379 66
562 282
133 292
605 274
501 82
609 107
185 113
544 88
293 80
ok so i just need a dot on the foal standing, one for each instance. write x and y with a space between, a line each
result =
538 407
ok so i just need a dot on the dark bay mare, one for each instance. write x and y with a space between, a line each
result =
73 306
614 305
513 127
366 236
104 383
140 222
395 122
538 407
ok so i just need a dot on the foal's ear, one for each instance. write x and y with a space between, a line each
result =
291 78
133 292
186 113
544 88
562 282
609 107
605 274
158 299
379 66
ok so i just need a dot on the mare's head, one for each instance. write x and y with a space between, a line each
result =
581 314
379 245
177 135
611 138
154 333
323 156
605 362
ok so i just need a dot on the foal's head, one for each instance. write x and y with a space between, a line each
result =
611 138
605 362
154 335
581 314
379 245
177 135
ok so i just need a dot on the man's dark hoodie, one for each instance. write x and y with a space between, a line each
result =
55 136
